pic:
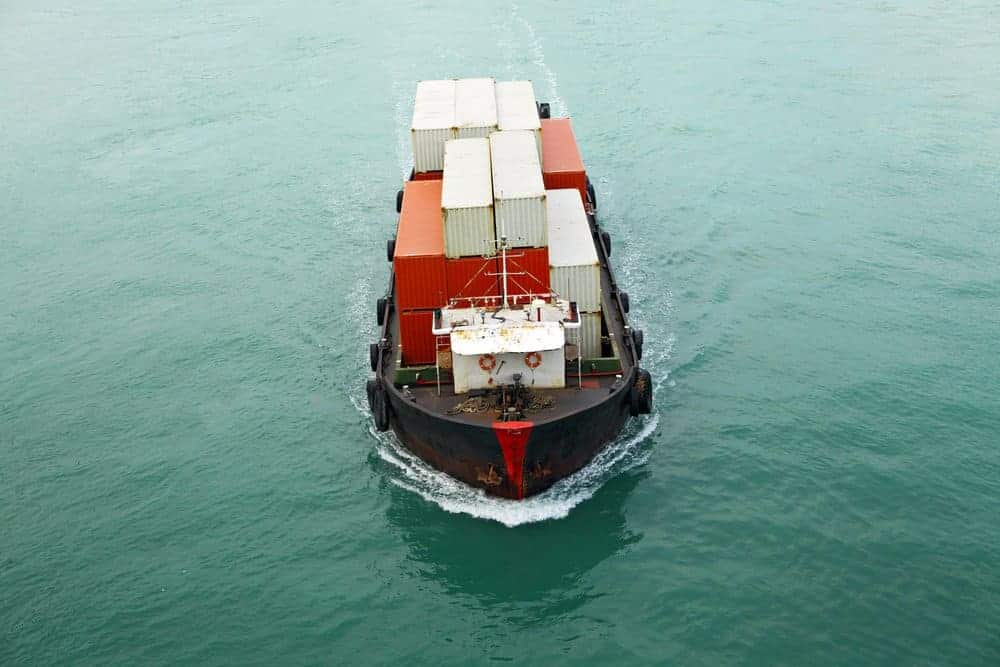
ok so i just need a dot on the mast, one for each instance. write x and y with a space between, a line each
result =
503 269
503 259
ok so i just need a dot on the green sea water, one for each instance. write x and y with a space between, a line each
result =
194 202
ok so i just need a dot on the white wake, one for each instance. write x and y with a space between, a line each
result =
456 497
534 47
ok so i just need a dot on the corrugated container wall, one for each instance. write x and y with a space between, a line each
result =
467 199
575 269
589 335
561 163
470 277
475 108
433 123
518 190
419 258
527 274
517 109
415 337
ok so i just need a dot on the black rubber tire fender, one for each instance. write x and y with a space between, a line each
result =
380 409
370 388
399 202
544 110
380 310
644 385
374 352
390 249
638 337
633 401
591 194
623 297
606 242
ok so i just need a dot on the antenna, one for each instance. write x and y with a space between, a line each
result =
503 258
503 262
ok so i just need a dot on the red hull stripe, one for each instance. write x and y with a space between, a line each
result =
513 439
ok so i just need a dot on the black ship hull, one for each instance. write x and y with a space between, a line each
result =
510 459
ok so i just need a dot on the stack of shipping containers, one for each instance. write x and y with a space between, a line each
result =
575 272
445 110
467 211
419 265
468 205
483 162
445 244
575 269
519 204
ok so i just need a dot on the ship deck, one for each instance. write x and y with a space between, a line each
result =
575 397
564 402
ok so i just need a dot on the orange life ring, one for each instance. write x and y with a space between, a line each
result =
532 360
487 362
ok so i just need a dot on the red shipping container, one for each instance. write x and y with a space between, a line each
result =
428 176
416 338
561 163
419 257
472 277
527 273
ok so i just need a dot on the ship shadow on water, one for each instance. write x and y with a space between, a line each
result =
531 563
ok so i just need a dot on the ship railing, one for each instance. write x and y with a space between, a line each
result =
574 324
578 341
441 344
495 301
442 341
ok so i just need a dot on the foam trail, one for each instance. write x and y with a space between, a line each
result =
456 497
364 288
403 96
556 102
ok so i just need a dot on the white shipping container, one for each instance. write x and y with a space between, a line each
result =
517 110
574 269
433 123
518 189
467 199
588 336
475 108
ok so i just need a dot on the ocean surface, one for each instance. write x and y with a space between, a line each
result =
804 199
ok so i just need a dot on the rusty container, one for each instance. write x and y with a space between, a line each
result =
527 274
469 278
419 257
561 163
416 338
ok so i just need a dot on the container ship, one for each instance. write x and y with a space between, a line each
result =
504 356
